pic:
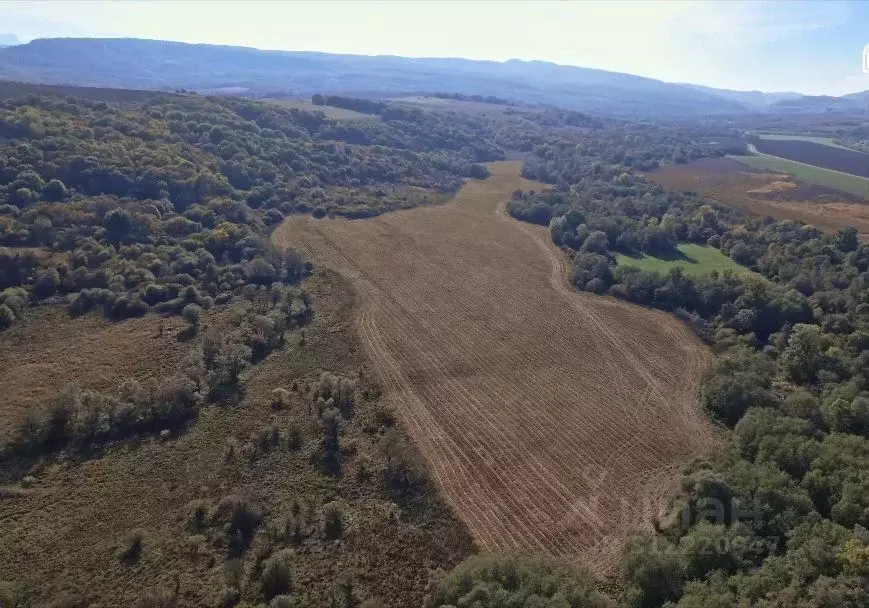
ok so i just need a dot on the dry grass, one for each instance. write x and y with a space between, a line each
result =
463 106
63 535
774 186
762 193
330 111
554 421
49 350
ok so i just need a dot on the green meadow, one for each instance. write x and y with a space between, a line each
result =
695 260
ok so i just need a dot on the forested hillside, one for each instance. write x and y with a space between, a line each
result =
175 193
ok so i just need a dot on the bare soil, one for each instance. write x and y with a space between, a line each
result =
553 420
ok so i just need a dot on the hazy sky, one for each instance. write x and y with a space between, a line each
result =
809 47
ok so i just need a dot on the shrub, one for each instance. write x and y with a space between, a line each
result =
240 518
191 314
125 307
131 549
283 601
7 317
333 520
276 576
294 436
46 284
198 520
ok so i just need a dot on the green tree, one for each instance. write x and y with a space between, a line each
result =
505 580
802 357
54 191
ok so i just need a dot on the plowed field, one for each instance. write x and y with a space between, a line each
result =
817 154
553 421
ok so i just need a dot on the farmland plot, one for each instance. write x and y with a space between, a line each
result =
760 192
552 420
817 154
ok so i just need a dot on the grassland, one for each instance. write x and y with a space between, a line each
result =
695 260
846 182
464 106
63 532
48 350
547 416
330 111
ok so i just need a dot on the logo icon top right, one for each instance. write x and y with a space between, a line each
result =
866 59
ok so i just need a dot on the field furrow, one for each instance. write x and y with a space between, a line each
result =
552 420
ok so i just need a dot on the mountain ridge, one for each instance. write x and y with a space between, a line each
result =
135 63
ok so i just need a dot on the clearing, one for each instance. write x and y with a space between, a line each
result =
765 193
549 417
695 260
332 112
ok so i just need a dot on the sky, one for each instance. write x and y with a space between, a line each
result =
809 47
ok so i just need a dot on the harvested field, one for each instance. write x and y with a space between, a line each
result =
826 141
817 154
765 193
553 420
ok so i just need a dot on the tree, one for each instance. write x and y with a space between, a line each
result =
330 422
515 580
802 357
846 239
54 191
651 572
736 384
21 197
595 242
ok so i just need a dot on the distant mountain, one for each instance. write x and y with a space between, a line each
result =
152 64
862 96
129 63
815 104
750 99
8 40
